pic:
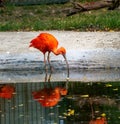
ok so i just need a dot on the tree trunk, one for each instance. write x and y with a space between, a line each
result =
78 7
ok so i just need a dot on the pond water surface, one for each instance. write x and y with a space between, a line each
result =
82 103
92 94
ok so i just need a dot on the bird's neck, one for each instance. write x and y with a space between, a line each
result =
56 51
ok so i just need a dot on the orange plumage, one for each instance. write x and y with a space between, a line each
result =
46 42
7 91
49 97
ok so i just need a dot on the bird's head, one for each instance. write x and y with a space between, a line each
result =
63 91
61 51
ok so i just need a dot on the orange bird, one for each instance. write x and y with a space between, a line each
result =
7 91
46 42
49 97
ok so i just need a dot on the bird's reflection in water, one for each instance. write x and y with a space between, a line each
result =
7 91
49 96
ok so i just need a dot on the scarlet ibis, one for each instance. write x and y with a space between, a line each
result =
7 91
46 42
49 97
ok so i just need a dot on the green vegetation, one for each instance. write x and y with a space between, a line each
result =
51 17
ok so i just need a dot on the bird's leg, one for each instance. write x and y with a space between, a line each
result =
48 58
45 62
45 76
45 68
49 76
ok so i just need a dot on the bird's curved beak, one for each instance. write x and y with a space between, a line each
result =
64 56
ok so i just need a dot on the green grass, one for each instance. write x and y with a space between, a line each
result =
50 17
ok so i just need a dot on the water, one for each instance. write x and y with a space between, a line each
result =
77 107
93 88
85 65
